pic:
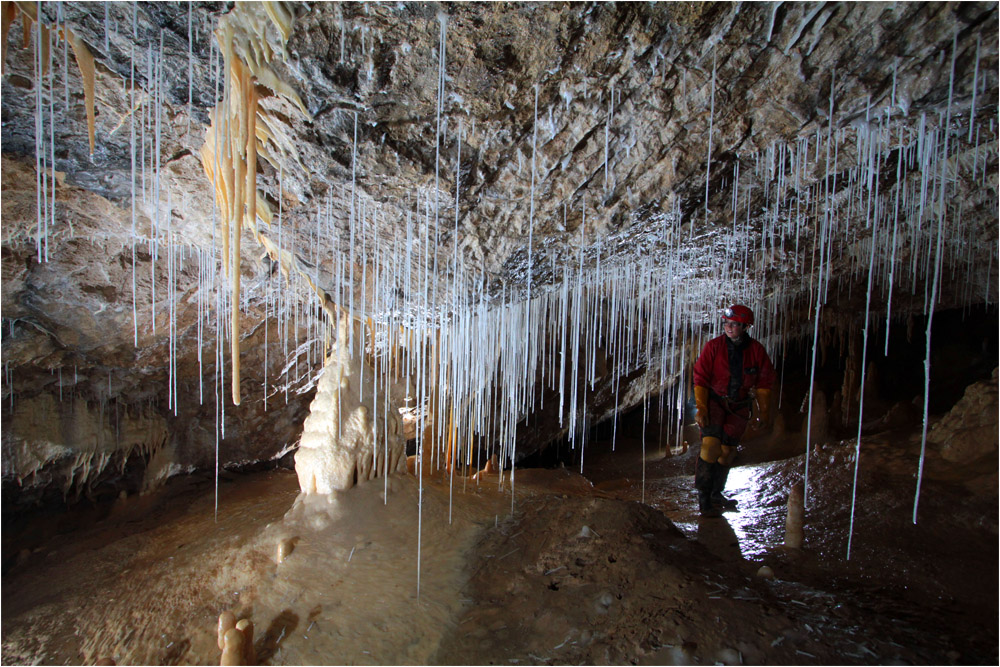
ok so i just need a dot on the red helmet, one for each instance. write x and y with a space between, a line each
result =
737 313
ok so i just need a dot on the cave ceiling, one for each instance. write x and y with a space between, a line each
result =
498 146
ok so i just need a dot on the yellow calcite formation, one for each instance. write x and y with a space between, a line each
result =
236 640
232 653
240 132
245 626
286 546
227 621
85 61
8 12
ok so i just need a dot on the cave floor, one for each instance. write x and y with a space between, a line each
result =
634 588
580 573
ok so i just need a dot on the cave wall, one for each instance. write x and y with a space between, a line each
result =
653 162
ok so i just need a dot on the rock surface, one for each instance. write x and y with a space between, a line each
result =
654 121
969 431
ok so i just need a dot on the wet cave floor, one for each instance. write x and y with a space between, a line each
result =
581 572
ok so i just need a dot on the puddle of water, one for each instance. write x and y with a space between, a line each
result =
760 522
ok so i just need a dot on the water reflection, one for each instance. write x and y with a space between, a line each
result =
755 528
759 523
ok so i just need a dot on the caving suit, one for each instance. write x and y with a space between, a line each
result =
724 375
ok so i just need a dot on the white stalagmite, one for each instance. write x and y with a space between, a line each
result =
342 443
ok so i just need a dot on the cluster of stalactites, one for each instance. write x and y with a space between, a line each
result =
240 132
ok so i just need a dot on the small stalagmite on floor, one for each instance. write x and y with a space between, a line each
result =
227 621
286 546
794 535
233 650
245 626
236 640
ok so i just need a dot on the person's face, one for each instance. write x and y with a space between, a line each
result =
734 330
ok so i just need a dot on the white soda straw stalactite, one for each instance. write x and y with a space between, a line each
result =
819 298
861 398
711 122
936 277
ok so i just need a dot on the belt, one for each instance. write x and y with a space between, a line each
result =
728 404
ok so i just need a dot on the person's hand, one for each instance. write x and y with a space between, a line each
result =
763 411
701 405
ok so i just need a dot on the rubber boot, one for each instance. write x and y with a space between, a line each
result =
720 473
703 483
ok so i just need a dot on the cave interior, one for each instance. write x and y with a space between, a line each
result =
373 326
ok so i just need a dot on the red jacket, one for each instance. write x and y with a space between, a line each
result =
712 367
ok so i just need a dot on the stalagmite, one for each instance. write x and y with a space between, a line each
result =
227 621
341 443
245 626
286 546
233 652
794 535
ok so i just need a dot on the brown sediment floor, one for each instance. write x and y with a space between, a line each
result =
146 586
581 572
631 588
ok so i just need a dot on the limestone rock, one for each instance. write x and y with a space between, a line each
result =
969 431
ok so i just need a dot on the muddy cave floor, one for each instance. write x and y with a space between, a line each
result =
581 572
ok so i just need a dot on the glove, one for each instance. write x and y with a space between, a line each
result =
701 403
764 407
